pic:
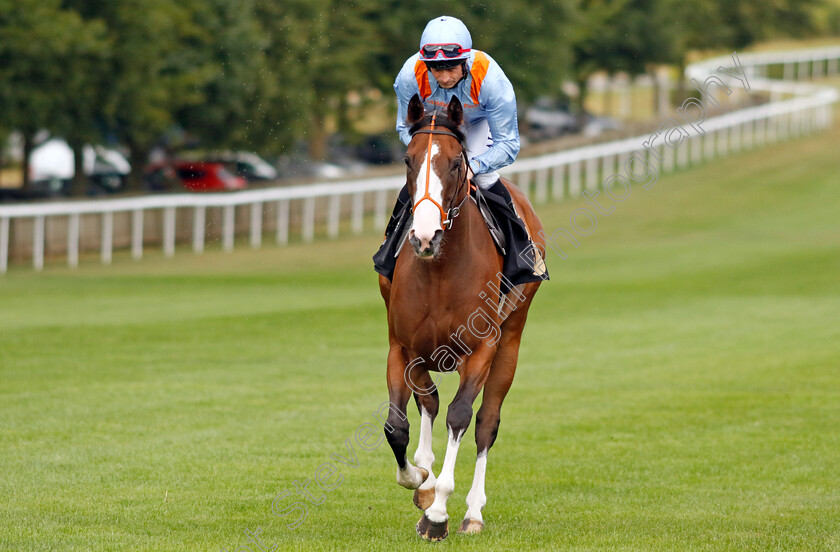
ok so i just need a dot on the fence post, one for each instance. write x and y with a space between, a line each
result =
788 71
107 236
574 179
282 222
38 242
802 72
709 146
607 167
4 245
379 210
228 227
735 137
73 223
668 159
696 150
137 234
541 190
358 212
199 222
682 153
169 231
592 173
308 228
557 188
523 182
256 224
817 69
333 216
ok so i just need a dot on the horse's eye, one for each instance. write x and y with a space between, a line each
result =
407 160
456 165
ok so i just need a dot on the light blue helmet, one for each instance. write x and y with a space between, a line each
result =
445 40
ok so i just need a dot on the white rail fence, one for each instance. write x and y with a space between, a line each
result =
796 108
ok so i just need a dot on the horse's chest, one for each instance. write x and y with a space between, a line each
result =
426 326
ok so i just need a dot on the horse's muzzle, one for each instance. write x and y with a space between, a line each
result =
424 247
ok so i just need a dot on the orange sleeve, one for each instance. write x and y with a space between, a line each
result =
479 70
422 75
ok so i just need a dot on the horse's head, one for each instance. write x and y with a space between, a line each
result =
437 173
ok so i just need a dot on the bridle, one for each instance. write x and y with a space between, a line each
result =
446 217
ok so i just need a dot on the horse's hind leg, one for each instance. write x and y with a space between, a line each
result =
427 404
396 426
487 425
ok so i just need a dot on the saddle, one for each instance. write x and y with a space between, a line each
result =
480 199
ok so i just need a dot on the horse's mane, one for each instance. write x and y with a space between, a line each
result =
441 120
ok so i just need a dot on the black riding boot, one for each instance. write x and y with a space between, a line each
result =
518 250
385 259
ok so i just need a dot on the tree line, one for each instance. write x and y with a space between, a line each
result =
264 74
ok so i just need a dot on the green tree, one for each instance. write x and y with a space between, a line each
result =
46 56
528 39
734 24
620 36
239 89
158 65
321 50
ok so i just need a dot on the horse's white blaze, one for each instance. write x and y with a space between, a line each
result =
445 481
410 477
476 499
427 215
424 457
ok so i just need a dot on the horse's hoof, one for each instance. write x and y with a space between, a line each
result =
431 531
425 473
471 526
423 498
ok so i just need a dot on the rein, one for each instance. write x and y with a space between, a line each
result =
447 217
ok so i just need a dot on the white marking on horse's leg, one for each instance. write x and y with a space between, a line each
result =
424 457
476 499
445 481
411 477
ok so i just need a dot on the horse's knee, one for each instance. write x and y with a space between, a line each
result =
486 429
459 416
430 403
396 432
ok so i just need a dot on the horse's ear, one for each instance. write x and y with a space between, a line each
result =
415 109
455 111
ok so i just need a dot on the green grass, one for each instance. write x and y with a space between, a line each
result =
678 386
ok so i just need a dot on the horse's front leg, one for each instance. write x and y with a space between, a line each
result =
424 457
434 525
396 426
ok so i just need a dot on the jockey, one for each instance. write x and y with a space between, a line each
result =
447 66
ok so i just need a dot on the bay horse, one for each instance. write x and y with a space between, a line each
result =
446 311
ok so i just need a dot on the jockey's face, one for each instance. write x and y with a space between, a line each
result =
447 78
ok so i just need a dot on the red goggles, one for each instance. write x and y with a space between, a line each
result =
446 51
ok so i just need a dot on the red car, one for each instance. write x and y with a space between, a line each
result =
196 176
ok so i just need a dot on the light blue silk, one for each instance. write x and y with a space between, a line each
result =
496 104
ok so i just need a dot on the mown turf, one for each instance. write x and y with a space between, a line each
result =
678 386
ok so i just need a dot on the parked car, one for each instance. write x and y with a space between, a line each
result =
195 176
249 166
547 119
51 168
381 149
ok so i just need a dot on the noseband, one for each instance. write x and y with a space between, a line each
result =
446 217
